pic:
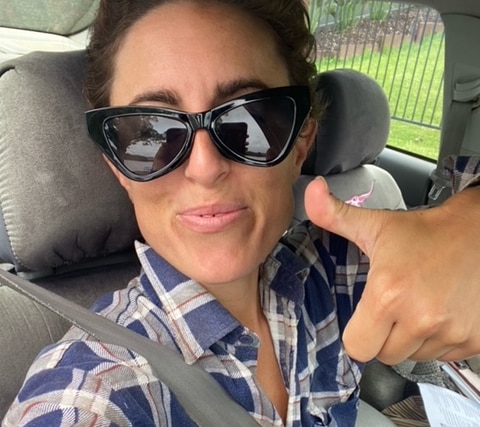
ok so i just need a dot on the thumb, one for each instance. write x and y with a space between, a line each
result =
359 225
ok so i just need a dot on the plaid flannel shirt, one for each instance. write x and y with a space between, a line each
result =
308 287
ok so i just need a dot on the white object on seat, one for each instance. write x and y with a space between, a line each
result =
368 416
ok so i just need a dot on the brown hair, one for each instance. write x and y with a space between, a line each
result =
288 19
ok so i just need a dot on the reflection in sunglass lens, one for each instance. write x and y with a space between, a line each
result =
259 130
145 143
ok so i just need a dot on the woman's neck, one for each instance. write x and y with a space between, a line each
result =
241 298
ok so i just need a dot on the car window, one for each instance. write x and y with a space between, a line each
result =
401 46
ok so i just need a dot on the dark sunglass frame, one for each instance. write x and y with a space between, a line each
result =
96 119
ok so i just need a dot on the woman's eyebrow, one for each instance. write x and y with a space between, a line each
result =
224 91
162 96
230 89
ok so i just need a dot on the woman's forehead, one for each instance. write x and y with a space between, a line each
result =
182 47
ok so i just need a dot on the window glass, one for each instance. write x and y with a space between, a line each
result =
401 46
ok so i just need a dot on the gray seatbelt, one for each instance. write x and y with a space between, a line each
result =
465 99
205 401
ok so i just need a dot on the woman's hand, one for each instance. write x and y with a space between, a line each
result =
422 298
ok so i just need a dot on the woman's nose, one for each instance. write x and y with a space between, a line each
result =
205 164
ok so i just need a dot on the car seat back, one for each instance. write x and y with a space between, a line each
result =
65 223
351 134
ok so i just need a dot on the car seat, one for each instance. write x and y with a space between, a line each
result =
65 223
68 226
50 25
351 134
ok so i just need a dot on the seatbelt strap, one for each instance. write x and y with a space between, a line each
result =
465 99
205 401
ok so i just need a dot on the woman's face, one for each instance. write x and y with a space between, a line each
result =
213 219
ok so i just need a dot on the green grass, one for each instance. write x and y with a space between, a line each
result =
412 77
414 139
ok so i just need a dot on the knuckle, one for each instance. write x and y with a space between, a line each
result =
429 324
390 359
457 336
441 327
388 303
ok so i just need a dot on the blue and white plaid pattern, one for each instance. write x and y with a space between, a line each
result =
309 286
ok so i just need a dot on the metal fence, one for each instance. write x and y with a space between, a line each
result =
399 45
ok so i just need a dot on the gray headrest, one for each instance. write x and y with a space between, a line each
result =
63 17
355 127
59 204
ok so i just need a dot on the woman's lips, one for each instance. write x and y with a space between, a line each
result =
212 218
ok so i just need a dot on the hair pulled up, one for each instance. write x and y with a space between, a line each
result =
288 20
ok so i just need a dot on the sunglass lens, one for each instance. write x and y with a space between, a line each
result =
145 144
259 131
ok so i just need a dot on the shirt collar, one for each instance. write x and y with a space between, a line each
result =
198 320
286 272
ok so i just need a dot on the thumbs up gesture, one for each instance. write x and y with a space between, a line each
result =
422 298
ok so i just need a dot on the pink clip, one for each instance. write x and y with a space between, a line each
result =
361 199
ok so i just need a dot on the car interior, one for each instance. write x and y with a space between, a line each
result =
68 227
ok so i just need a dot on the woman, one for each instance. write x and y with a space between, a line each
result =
212 220
221 283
